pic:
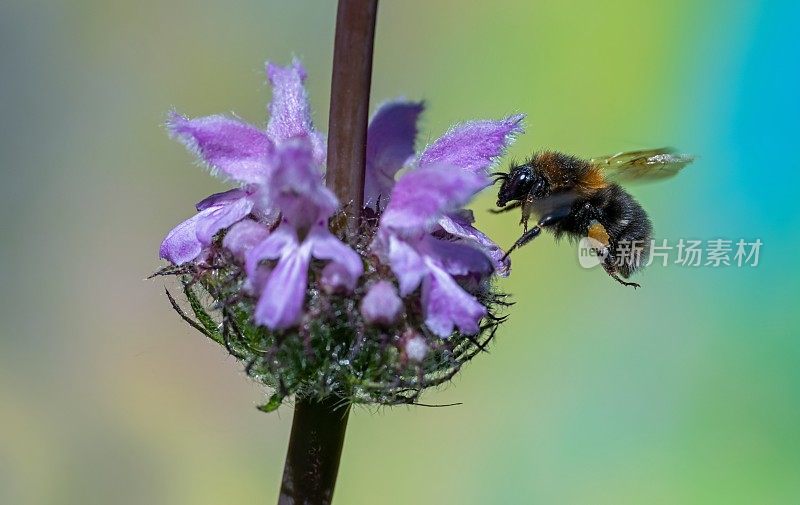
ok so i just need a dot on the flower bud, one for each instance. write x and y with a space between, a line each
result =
415 348
337 279
381 305
243 236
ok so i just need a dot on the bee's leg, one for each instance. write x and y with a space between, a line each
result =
598 233
527 208
611 270
528 235
507 208
524 239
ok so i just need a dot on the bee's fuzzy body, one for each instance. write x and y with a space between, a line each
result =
577 201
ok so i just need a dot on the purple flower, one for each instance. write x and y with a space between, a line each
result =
472 146
305 204
381 305
281 301
426 236
279 171
374 312
436 264
245 155
419 199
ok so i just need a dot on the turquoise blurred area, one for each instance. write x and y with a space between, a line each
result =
686 391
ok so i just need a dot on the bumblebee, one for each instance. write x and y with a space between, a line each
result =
581 198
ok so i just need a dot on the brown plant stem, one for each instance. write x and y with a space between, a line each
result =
352 74
315 448
319 426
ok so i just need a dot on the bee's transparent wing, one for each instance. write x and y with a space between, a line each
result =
642 166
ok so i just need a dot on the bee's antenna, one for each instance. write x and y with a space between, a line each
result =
500 176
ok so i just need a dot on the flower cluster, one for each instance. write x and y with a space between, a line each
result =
313 307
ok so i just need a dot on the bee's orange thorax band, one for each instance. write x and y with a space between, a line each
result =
593 179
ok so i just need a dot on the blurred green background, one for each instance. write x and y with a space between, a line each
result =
686 391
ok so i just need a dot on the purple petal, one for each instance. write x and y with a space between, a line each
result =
281 302
254 284
460 225
319 146
283 238
220 217
381 305
406 264
235 149
181 244
297 186
423 195
243 236
220 198
456 258
473 145
390 144
289 111
447 306
325 246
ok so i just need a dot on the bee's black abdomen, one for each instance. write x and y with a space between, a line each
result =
634 229
623 218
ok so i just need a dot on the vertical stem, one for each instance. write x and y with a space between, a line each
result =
315 447
352 73
318 426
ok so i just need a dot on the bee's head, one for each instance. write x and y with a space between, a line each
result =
518 183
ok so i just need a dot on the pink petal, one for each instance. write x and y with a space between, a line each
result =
423 195
473 145
390 144
231 147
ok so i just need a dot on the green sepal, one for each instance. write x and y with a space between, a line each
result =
271 405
